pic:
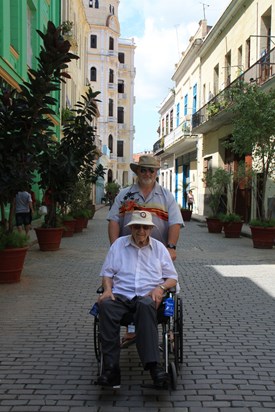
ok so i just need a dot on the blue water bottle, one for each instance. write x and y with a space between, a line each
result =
169 307
94 310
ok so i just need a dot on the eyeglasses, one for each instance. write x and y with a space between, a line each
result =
147 169
144 227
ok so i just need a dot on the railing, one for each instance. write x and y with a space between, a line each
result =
260 72
158 145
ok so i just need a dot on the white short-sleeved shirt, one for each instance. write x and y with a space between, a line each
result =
160 203
137 271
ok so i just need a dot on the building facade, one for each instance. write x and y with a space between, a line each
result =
110 62
239 46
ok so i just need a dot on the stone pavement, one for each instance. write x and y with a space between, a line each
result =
47 361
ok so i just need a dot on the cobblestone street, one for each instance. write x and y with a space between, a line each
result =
47 361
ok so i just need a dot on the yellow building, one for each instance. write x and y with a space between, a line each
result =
239 46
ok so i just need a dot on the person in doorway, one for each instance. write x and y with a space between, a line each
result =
23 211
190 200
136 288
147 195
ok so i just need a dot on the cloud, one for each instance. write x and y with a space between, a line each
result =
161 30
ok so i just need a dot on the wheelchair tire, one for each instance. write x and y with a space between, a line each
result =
96 339
173 375
179 331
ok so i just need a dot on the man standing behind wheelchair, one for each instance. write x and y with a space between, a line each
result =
137 272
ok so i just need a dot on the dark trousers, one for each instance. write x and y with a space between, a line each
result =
145 318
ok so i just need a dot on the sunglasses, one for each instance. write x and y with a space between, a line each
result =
144 227
147 169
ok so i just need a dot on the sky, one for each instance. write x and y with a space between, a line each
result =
161 30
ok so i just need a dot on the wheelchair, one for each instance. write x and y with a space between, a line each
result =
170 337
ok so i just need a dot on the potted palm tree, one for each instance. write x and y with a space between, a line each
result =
216 182
65 163
254 106
25 120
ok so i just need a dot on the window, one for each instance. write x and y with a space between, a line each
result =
178 115
227 79
216 80
120 114
111 76
120 86
120 148
110 143
111 43
162 126
171 120
240 60
93 41
248 47
121 58
111 107
185 110
93 74
94 3
194 99
166 124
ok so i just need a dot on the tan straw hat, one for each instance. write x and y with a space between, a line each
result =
140 217
145 161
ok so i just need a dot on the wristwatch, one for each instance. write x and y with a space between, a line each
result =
171 246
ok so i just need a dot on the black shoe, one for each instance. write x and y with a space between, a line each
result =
159 376
110 377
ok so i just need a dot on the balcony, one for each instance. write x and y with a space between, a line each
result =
121 126
122 96
158 146
213 113
112 86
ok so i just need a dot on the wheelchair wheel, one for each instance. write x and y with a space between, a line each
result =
178 331
97 339
173 375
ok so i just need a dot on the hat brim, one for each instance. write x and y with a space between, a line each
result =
140 223
134 166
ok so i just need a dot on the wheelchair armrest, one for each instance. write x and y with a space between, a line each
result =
100 290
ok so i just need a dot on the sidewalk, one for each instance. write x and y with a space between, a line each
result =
245 228
47 361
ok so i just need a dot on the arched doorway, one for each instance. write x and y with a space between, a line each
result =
110 176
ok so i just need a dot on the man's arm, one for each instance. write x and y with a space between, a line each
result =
113 231
173 236
107 284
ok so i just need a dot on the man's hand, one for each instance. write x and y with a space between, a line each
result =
173 253
105 295
157 296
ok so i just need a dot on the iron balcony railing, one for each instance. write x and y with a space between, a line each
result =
260 72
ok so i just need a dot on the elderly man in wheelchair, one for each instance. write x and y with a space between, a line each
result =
136 274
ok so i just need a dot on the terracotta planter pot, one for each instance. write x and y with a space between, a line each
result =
12 261
263 237
49 239
186 215
79 224
85 222
214 225
69 228
232 229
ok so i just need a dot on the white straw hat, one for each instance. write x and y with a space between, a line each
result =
141 217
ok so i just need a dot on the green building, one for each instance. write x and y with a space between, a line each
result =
20 43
